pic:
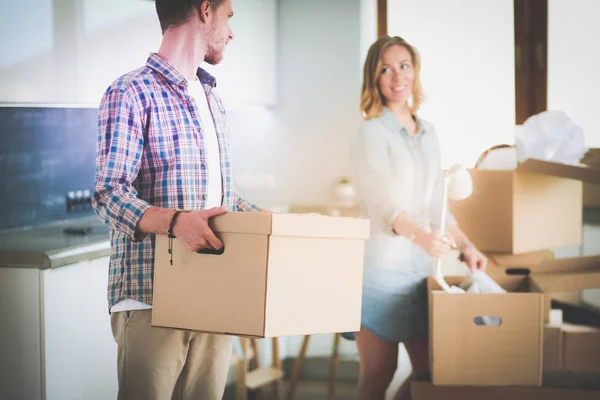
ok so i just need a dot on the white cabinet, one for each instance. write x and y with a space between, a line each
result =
55 337
70 51
80 351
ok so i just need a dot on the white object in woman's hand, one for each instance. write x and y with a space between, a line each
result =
435 244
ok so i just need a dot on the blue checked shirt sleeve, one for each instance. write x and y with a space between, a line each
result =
118 158
244 205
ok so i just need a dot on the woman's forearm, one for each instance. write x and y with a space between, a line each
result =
403 225
462 241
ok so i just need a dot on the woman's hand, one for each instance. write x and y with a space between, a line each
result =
473 258
435 244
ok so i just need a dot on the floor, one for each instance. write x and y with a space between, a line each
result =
317 389
307 390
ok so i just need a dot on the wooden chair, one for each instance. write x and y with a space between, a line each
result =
250 375
333 368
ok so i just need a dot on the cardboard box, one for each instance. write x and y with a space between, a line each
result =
463 353
591 192
581 348
534 207
553 347
279 274
428 391
560 279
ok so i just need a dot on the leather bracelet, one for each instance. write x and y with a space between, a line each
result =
172 220
170 234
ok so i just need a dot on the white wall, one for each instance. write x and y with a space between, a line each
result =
573 59
467 49
302 143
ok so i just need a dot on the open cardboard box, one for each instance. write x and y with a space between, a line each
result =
563 279
279 274
559 279
535 207
464 353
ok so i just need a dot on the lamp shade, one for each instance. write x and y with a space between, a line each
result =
460 185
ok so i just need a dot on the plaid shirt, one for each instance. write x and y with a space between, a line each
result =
150 153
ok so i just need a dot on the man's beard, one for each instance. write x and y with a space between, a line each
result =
213 56
214 53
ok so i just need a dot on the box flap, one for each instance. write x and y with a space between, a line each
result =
579 328
542 262
565 282
520 260
320 226
568 265
582 173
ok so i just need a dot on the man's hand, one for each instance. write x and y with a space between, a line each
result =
193 230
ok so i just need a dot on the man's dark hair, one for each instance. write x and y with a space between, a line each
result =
177 12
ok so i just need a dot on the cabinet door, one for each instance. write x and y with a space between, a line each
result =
80 352
20 351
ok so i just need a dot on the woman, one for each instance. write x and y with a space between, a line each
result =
399 176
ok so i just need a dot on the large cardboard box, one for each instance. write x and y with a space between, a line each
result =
534 207
591 192
428 391
581 348
466 353
279 274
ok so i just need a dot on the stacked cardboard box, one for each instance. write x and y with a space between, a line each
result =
517 217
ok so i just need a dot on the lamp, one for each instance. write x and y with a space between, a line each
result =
457 185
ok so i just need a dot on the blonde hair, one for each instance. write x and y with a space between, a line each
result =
371 100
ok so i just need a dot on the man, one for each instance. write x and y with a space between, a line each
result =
163 146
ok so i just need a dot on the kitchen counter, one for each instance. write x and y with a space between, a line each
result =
48 246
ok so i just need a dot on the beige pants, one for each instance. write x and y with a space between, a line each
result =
168 364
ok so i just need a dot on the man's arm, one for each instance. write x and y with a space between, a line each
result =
118 158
